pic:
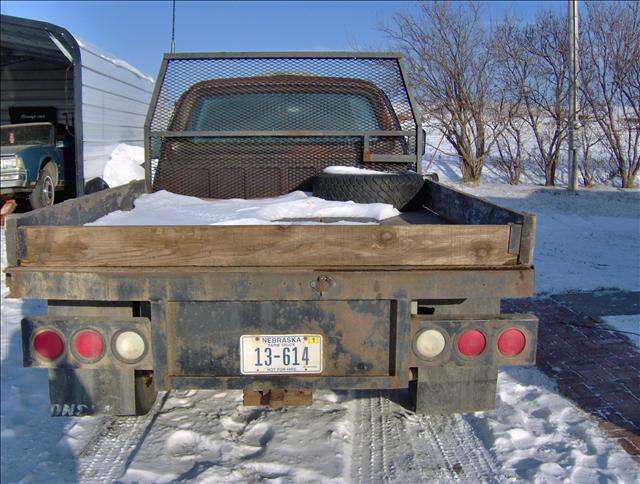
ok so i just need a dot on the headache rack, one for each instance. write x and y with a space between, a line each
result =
248 125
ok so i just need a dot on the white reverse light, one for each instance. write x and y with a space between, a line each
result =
430 343
129 345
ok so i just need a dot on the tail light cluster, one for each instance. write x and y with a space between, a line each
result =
431 343
89 345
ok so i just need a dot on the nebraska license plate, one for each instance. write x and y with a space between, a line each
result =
280 353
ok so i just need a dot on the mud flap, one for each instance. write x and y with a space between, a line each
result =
454 389
78 392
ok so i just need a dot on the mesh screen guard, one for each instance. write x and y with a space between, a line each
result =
257 125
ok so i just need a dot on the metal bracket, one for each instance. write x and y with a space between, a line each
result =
322 284
515 234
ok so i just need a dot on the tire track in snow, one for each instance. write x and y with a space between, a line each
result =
106 456
392 444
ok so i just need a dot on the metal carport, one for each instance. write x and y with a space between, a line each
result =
102 99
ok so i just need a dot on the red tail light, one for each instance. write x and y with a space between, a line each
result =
48 344
89 344
472 342
511 342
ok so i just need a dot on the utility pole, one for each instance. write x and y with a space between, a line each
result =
574 125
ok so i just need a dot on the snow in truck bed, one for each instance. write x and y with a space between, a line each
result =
165 208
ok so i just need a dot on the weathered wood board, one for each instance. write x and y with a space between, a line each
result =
267 245
76 211
251 284
463 208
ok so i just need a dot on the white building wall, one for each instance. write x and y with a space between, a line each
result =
115 99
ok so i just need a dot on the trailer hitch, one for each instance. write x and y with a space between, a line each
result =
276 398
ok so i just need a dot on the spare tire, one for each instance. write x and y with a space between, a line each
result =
397 189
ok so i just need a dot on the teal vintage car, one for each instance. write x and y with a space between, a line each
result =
33 162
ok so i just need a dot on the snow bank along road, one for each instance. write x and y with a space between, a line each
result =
587 242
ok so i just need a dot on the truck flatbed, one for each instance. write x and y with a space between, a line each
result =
281 309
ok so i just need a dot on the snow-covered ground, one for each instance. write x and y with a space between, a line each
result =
585 241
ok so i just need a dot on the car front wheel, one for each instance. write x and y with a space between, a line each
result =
43 194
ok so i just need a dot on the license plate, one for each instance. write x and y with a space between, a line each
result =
280 353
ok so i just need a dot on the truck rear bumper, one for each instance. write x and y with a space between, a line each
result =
369 321
198 344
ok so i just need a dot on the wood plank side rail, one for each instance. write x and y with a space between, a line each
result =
463 208
267 245
76 211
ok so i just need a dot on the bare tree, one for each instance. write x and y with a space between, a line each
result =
450 70
511 148
610 80
591 162
532 62
508 119
508 129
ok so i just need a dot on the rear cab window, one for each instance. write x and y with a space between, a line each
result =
281 111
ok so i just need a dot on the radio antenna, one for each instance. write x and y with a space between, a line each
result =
173 28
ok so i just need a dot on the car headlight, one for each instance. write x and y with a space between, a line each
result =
9 162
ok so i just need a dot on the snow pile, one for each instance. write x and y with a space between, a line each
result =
627 324
539 436
124 165
352 170
165 208
445 162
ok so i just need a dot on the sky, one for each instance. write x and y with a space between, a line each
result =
140 32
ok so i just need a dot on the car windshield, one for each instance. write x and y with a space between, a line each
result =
35 134
283 111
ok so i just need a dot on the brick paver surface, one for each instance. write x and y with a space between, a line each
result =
598 369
